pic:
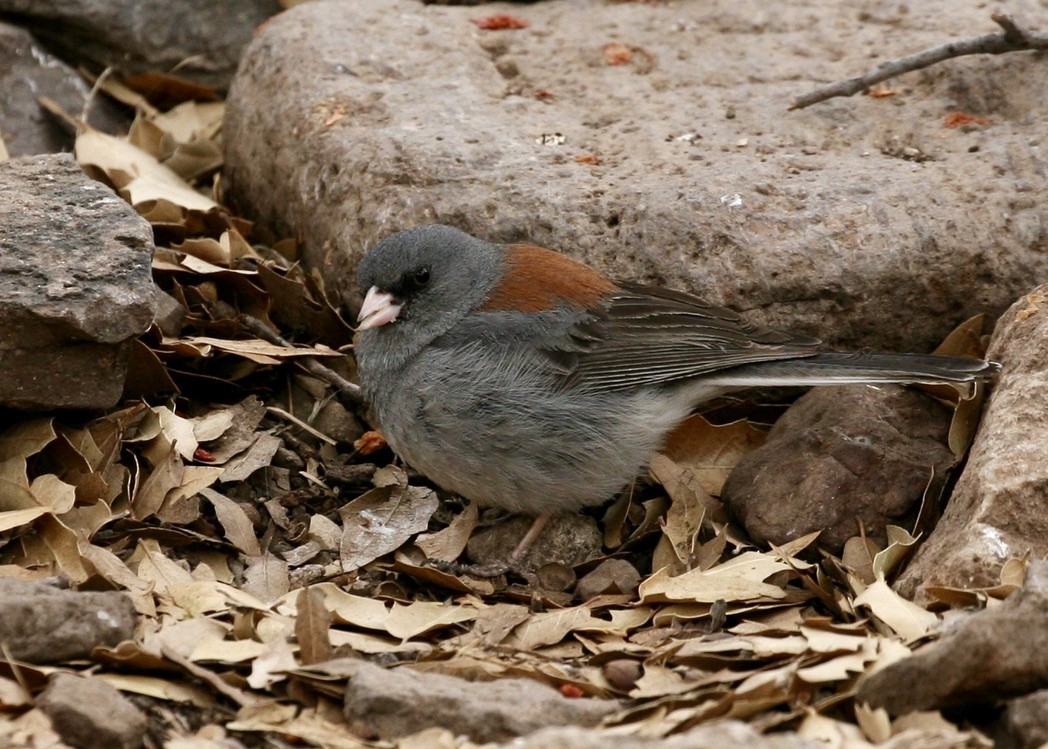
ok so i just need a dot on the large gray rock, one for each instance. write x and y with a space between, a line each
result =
838 457
348 121
993 654
27 72
75 285
41 624
998 509
188 39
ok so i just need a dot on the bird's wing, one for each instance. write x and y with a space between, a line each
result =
644 335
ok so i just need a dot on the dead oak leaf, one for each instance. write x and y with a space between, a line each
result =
382 520
738 579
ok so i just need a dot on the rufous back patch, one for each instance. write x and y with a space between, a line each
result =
539 279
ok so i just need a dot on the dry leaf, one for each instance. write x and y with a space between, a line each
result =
266 577
874 723
255 349
139 177
312 622
738 579
272 665
382 520
307 726
235 523
420 617
709 451
258 455
905 618
447 544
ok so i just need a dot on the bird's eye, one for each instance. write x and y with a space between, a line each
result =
422 276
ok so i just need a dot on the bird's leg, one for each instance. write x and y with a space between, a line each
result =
499 568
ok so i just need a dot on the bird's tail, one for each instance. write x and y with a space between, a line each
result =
835 368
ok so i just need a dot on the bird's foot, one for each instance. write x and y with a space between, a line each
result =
497 568
484 571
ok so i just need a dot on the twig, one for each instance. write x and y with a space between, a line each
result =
90 98
210 678
349 393
16 670
301 424
1013 39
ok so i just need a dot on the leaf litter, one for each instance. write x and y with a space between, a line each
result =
265 535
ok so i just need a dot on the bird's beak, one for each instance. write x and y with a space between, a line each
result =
379 308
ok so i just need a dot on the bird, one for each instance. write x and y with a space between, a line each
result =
520 378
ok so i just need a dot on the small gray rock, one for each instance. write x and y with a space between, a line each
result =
566 539
89 713
837 457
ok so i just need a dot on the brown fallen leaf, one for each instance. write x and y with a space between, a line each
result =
312 622
711 451
383 519
448 543
139 177
238 528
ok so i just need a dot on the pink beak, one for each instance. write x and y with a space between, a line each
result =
379 308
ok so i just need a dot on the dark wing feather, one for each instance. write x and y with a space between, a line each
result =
645 335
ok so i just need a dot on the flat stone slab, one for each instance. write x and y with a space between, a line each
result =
652 140
186 40
397 702
75 285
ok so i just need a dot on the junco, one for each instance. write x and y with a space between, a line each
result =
522 379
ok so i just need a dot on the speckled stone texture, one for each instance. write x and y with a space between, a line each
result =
348 121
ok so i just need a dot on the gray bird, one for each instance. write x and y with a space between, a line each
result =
520 378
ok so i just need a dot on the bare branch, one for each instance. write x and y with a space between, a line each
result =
1013 39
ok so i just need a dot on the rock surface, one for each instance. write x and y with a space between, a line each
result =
75 285
133 37
27 72
997 510
1026 719
41 624
89 713
399 702
565 540
992 654
837 457
727 734
679 163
